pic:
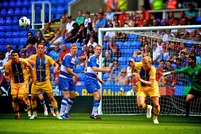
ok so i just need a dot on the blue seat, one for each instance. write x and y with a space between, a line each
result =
1 34
9 21
120 44
5 4
106 76
8 28
23 41
16 41
9 34
17 11
122 60
82 76
16 28
127 44
60 10
135 44
23 34
79 69
138 59
2 28
15 20
12 3
2 40
2 21
24 11
68 45
78 52
10 11
26 3
13 47
19 3
3 12
9 40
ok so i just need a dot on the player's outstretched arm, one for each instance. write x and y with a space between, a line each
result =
104 70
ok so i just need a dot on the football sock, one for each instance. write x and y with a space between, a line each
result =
95 107
64 106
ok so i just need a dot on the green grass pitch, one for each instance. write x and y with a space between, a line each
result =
109 124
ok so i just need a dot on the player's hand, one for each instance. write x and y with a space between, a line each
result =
77 77
102 82
137 76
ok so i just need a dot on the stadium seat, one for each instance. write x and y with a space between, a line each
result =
78 52
122 60
5 4
1 34
138 59
12 3
127 44
23 41
198 20
68 45
15 20
8 34
3 12
8 28
16 28
106 76
2 21
9 21
82 76
19 3
24 11
79 69
26 3
2 40
60 10
120 44
16 41
10 11
2 28
17 11
8 40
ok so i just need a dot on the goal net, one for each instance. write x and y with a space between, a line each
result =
168 47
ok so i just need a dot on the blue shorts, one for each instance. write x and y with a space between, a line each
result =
91 85
66 84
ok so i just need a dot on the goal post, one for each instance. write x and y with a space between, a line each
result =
173 89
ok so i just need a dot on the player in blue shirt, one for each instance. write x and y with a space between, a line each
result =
91 79
66 84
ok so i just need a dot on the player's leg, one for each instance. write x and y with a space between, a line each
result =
156 110
71 98
15 105
51 110
28 108
43 103
64 104
189 98
96 103
34 91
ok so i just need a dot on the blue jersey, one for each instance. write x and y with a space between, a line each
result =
68 61
93 61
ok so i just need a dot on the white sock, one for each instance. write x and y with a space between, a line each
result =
64 106
95 107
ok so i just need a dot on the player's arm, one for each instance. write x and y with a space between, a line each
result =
7 74
71 72
97 69
178 71
31 60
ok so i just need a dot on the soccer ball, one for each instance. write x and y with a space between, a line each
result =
24 22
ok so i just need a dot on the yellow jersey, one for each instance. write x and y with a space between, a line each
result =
17 72
146 75
42 67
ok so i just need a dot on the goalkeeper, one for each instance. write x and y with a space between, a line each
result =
147 85
194 74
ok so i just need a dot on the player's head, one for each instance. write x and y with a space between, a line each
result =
146 62
73 49
41 49
191 60
98 50
15 56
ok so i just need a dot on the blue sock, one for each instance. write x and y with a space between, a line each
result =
95 107
64 106
70 103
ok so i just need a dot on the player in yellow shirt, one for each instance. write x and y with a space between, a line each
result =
42 63
147 85
15 71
